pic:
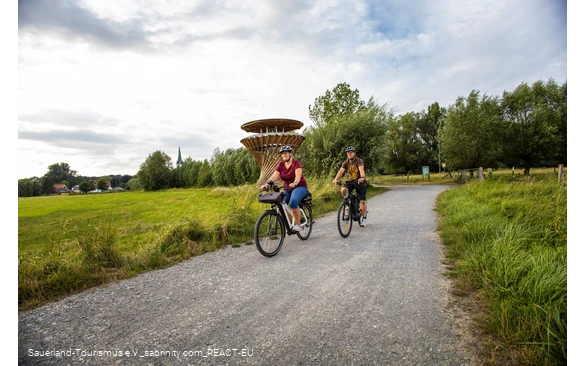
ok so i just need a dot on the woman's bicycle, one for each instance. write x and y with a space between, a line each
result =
349 211
272 224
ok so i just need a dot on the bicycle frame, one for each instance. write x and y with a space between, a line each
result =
351 203
289 222
352 198
274 224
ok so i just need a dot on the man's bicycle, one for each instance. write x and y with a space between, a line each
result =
349 210
272 224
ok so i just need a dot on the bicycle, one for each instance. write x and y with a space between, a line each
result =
349 211
272 224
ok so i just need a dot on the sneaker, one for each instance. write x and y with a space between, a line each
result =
296 229
363 221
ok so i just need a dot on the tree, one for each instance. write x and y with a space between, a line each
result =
134 183
473 132
114 181
233 167
342 101
406 148
247 169
59 172
85 186
222 167
47 185
432 121
342 119
537 117
125 178
559 99
413 140
205 176
156 171
190 172
324 148
29 187
102 184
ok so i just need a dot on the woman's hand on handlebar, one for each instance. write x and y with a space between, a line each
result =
266 185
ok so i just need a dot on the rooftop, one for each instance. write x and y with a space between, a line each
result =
272 125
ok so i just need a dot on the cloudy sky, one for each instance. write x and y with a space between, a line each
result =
104 83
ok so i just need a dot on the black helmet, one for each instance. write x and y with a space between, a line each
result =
350 148
285 148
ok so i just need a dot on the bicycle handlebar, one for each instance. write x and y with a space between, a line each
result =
272 187
346 182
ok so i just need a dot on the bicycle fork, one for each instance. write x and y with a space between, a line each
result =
347 209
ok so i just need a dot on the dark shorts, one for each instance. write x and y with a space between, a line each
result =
360 189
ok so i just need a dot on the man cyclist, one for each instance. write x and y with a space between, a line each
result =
356 173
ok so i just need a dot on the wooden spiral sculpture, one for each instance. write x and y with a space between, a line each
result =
270 135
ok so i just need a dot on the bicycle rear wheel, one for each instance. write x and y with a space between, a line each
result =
306 227
344 221
269 233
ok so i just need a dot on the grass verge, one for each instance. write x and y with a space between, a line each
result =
506 239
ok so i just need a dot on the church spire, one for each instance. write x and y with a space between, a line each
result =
179 160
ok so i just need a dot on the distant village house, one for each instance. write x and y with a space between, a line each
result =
61 188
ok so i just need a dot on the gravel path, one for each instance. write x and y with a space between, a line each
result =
375 298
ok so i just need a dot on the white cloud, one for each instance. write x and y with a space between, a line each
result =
191 73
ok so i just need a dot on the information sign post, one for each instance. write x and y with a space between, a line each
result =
426 172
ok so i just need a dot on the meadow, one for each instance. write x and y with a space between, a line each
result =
69 243
505 240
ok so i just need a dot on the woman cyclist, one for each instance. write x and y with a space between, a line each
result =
290 171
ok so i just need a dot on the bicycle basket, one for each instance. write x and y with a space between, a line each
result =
272 197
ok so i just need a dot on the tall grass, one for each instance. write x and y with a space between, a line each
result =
507 238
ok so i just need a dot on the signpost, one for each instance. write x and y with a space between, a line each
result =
425 171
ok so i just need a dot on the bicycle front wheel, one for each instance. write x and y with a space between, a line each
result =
269 233
307 226
344 221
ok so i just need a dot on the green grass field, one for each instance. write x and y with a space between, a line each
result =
73 242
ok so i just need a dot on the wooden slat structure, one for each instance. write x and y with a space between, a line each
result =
270 135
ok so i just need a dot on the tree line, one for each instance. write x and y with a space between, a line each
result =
62 173
526 127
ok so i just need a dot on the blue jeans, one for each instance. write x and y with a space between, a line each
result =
292 198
